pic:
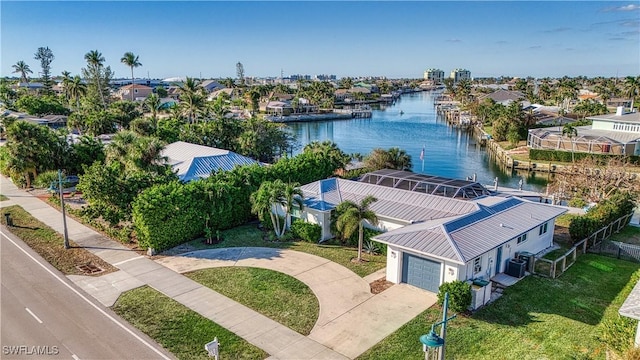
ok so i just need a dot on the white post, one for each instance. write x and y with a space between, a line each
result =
636 342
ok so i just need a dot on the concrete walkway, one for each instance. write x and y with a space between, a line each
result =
274 338
351 318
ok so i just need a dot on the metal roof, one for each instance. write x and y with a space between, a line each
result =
435 185
403 205
633 117
463 238
191 161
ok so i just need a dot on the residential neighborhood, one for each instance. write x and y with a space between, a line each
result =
237 180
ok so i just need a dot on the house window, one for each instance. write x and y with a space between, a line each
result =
522 238
543 228
477 265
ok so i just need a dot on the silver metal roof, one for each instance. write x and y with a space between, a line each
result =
403 205
191 161
465 237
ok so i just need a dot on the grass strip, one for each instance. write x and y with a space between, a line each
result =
179 329
50 244
537 318
277 296
3 198
249 235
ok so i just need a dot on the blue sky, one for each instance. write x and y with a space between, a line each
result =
393 39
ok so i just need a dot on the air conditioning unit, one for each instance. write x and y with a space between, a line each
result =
516 267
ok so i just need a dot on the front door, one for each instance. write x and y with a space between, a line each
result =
498 260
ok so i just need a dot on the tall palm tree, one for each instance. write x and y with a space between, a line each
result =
23 69
76 88
570 131
66 79
399 159
352 216
96 61
632 87
131 61
293 196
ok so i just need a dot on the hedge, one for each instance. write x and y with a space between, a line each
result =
601 215
306 231
565 156
167 215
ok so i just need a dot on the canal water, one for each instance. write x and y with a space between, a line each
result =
411 123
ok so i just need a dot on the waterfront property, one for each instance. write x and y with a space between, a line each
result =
434 239
191 161
617 133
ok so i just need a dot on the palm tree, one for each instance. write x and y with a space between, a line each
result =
76 88
632 87
399 159
23 69
95 60
66 79
131 61
352 216
266 200
292 196
152 103
570 131
192 98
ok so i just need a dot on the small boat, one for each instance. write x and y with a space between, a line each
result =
401 112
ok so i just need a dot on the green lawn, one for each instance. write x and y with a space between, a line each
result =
278 296
3 198
629 235
179 329
249 235
50 245
538 318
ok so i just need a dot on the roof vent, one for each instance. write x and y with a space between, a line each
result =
619 111
501 225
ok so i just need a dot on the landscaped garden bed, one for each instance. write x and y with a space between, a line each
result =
573 316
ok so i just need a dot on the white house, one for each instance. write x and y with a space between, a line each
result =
434 239
191 161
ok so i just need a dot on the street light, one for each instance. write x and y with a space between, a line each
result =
64 216
432 344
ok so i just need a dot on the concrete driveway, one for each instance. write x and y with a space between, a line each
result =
351 318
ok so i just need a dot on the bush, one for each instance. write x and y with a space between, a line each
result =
43 180
459 295
601 215
582 227
306 231
565 156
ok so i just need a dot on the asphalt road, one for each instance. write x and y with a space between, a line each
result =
43 315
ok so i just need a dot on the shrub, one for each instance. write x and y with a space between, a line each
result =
582 227
306 231
459 295
371 247
565 156
43 180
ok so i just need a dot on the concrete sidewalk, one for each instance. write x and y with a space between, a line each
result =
274 338
351 318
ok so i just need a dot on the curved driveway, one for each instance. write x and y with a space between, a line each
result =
337 288
351 319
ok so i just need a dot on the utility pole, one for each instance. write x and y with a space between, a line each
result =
64 216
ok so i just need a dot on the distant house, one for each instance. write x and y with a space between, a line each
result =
140 92
211 85
192 162
503 97
434 239
617 133
52 121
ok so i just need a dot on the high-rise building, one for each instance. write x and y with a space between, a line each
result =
434 75
460 74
